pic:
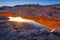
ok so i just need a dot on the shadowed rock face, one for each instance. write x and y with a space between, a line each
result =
30 26
9 33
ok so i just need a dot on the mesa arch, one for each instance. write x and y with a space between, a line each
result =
48 22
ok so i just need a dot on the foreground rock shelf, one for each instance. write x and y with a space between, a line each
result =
7 32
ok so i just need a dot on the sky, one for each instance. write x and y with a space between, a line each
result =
19 2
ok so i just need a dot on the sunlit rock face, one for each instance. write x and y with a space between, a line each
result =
48 22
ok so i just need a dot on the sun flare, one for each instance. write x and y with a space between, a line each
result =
18 19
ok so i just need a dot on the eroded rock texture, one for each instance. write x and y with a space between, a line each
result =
7 32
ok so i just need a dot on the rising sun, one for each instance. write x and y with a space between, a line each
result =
19 19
